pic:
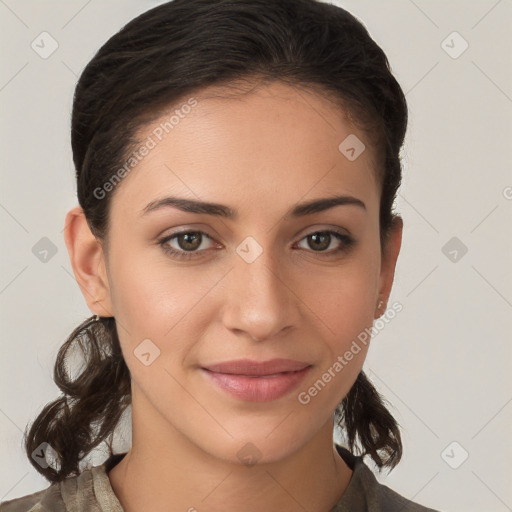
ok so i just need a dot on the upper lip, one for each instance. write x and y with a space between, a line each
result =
259 368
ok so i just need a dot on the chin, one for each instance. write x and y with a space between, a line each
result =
259 448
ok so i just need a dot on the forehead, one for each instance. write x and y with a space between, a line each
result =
260 151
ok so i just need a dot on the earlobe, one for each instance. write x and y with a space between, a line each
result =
88 262
388 263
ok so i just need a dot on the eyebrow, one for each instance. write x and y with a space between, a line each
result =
220 210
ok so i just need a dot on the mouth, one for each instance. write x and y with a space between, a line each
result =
257 381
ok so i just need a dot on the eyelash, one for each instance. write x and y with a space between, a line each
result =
347 242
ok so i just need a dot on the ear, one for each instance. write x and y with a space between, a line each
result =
389 257
88 262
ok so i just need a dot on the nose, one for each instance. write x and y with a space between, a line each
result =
260 299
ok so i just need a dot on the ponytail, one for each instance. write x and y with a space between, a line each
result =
364 417
71 426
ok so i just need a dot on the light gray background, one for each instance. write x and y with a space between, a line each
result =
444 362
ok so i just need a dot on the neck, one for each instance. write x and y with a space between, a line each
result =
169 473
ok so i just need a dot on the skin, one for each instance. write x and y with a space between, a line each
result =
260 153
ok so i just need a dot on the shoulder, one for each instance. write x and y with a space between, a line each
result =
90 491
57 497
366 494
28 503
381 498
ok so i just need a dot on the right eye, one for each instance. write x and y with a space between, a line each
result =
188 243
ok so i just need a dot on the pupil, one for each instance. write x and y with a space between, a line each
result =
190 245
324 236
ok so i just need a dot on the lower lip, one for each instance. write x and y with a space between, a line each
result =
258 389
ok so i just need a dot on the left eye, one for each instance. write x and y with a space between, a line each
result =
323 239
189 242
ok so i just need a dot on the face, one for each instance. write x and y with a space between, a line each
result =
193 290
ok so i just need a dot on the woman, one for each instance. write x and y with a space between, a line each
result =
236 163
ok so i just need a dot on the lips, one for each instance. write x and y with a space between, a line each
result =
257 368
257 381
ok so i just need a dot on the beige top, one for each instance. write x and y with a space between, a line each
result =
91 492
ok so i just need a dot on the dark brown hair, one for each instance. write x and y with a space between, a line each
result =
158 58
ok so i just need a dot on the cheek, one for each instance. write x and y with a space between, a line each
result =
152 301
348 313
346 307
347 310
145 289
346 302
